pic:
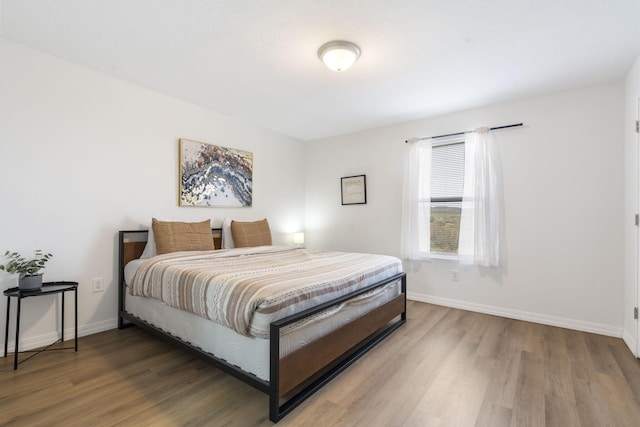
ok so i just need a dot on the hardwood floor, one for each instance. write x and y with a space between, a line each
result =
445 367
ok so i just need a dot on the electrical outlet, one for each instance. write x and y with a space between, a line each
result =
454 275
98 284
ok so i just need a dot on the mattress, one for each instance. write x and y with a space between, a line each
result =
251 354
247 289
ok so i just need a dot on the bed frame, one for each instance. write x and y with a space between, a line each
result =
296 376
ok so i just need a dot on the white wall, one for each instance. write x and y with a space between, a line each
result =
83 155
632 95
564 191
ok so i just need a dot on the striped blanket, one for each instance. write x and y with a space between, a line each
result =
246 289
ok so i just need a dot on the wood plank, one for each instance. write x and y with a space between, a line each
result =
132 250
560 401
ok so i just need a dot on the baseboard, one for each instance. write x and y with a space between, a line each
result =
46 339
543 319
631 342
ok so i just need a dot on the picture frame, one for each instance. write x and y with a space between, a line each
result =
354 190
214 176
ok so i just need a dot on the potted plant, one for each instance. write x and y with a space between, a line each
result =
28 269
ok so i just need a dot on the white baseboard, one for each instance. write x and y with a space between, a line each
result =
543 319
46 339
631 343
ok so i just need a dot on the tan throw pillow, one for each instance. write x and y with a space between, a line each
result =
182 236
246 234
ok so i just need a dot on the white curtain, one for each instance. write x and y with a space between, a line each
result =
482 201
416 202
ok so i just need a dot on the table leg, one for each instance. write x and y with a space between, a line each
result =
75 294
62 321
6 328
15 354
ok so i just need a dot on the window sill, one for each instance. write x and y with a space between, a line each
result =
442 255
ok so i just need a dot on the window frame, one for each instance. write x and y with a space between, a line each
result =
442 142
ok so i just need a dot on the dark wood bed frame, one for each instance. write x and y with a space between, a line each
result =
297 375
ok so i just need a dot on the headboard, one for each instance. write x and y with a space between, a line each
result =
133 243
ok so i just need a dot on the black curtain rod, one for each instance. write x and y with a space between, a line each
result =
462 133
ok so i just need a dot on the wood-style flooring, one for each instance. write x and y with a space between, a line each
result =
445 367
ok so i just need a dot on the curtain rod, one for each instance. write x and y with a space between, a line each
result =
462 133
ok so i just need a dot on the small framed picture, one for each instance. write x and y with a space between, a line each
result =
354 190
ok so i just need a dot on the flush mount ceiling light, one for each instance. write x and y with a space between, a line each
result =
339 55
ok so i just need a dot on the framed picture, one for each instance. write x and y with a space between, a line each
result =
214 176
354 190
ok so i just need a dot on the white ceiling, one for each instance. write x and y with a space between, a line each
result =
257 59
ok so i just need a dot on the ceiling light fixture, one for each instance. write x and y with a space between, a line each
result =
339 55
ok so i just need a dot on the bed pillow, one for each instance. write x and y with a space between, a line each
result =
150 247
173 236
247 234
227 237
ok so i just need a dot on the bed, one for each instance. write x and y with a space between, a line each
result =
287 352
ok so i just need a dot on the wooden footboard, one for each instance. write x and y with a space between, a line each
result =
294 377
301 373
299 366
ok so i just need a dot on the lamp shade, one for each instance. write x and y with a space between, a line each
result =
339 55
298 238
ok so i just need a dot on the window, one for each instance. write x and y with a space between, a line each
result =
447 180
452 199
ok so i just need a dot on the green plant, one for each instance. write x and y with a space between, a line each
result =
25 267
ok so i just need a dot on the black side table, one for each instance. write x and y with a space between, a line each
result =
46 289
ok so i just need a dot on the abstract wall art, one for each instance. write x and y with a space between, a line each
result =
214 176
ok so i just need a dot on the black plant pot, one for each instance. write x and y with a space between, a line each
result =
30 282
